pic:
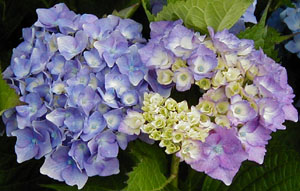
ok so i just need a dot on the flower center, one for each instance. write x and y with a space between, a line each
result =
218 149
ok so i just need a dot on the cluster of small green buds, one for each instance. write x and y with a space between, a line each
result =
171 123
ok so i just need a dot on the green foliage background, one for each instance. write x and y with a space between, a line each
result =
146 167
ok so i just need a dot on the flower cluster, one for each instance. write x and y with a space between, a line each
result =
77 76
247 97
291 17
167 121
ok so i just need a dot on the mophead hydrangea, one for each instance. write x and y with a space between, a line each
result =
77 76
245 97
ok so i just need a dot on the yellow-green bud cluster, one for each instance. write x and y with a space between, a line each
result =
171 123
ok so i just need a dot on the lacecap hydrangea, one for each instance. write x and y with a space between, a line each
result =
245 98
77 76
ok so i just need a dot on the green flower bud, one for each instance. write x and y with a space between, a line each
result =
164 77
156 99
204 83
177 137
171 104
252 72
222 120
172 148
217 95
163 111
155 135
251 90
179 63
232 74
148 128
148 116
232 89
222 107
209 44
218 80
182 116
221 64
182 126
147 97
165 143
172 118
193 116
159 121
198 133
204 120
182 106
167 134
206 107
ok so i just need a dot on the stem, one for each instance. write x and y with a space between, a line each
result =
173 178
174 170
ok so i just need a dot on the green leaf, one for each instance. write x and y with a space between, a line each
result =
148 174
127 12
278 3
280 171
199 14
8 96
264 37
146 5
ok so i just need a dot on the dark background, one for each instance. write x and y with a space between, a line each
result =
17 14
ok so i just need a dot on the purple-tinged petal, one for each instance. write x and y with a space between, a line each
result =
74 120
31 144
71 46
109 97
122 140
290 112
131 65
20 67
88 99
112 48
57 117
73 176
93 125
162 28
93 59
222 155
271 114
181 41
79 152
117 81
183 78
130 98
156 56
102 167
130 29
113 118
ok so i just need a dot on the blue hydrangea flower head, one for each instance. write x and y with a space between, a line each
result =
77 75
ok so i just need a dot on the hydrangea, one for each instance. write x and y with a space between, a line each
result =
291 17
247 17
246 97
78 76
